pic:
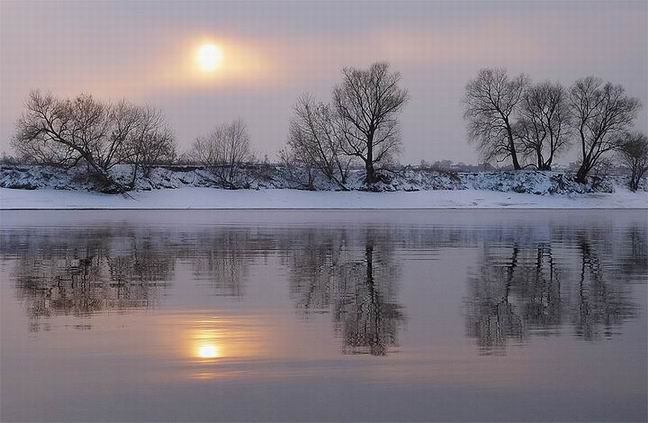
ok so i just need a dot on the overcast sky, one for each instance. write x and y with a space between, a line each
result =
274 51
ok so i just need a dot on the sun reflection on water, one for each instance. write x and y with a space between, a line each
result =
208 351
207 342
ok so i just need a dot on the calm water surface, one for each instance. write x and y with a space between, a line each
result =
323 315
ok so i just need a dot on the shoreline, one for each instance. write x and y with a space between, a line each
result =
287 199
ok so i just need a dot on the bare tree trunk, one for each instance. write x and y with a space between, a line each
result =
634 179
516 163
548 163
370 176
134 178
583 170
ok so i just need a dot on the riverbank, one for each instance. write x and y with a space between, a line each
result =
211 198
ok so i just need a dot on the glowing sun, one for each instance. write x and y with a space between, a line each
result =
208 57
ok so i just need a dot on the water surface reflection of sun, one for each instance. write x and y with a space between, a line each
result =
217 347
208 351
212 339
207 341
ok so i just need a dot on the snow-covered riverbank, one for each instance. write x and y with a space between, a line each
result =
210 198
35 177
45 187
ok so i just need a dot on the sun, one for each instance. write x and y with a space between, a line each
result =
208 57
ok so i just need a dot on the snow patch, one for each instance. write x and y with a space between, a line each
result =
210 198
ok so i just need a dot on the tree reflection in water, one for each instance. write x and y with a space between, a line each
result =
528 280
222 258
357 280
601 302
82 272
87 272
523 289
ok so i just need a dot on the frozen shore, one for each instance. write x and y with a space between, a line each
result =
211 198
187 187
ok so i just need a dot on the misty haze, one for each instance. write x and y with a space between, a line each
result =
323 211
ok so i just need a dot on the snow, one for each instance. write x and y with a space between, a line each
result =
212 198
192 187
278 177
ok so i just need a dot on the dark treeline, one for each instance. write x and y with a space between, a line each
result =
527 281
508 118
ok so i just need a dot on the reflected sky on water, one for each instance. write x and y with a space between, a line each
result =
323 315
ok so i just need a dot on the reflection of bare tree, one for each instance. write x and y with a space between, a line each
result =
365 312
539 286
84 273
634 262
359 284
492 317
521 289
529 280
315 267
601 304
142 263
222 259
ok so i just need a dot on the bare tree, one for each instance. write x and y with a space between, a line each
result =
152 141
367 104
314 140
85 131
633 152
38 131
297 168
224 152
491 103
601 112
543 127
69 131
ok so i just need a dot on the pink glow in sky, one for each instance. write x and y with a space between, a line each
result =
274 51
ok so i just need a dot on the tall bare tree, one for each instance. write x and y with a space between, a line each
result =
314 139
224 152
491 103
601 112
367 104
633 152
543 127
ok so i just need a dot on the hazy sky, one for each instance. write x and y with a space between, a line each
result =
274 51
